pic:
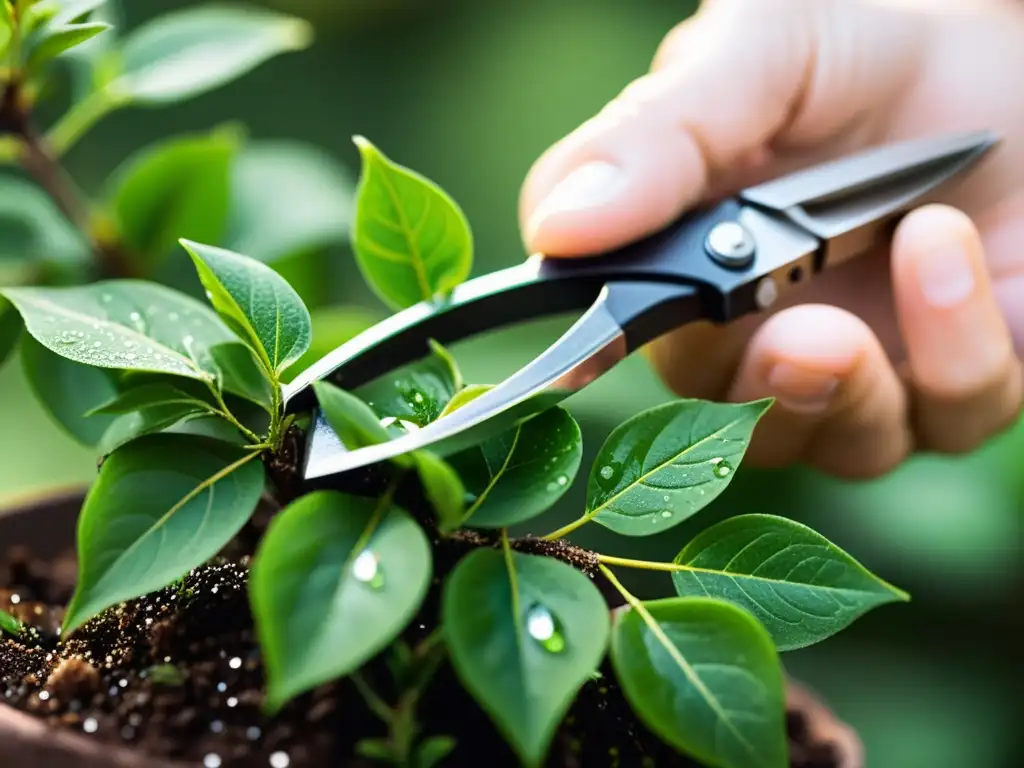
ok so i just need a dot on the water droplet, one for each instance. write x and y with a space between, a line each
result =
209 295
543 627
722 469
97 344
129 344
90 725
212 760
366 569
666 513
187 340
106 298
552 487
417 397
563 480
666 498
135 317
129 356
280 760
607 472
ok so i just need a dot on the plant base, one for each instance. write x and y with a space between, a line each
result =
176 676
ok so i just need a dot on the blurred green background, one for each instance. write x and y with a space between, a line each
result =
469 94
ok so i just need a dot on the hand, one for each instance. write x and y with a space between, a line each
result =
910 349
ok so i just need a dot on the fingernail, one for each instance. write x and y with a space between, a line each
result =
945 276
800 389
591 185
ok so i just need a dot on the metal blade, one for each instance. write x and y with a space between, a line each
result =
852 202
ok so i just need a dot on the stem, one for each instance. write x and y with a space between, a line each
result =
43 167
79 119
565 530
228 416
646 565
626 594
376 704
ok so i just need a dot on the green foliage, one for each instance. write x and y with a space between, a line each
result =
411 241
334 582
188 52
10 624
662 466
257 303
521 473
184 405
162 505
524 633
176 188
801 586
704 676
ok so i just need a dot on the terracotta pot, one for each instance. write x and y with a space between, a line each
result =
46 525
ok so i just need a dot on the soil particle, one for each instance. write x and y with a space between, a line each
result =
178 674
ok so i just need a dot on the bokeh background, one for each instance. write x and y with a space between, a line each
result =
470 93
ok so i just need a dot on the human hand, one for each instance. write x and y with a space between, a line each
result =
914 348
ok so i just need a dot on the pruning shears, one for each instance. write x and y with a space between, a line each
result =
728 260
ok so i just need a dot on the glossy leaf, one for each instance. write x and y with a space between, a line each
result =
352 420
332 327
10 329
334 582
703 676
176 188
443 489
411 240
520 473
56 38
10 624
464 396
433 750
162 505
664 465
286 198
417 392
524 633
256 301
149 395
68 391
157 418
240 373
801 586
187 52
123 324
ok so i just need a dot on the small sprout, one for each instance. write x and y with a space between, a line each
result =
166 674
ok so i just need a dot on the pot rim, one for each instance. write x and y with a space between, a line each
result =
24 736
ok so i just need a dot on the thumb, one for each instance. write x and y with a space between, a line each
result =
730 89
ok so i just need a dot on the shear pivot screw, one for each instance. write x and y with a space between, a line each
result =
730 245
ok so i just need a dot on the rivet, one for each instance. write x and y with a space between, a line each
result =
729 244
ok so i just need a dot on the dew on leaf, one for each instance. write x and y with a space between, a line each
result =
366 568
607 472
543 627
722 469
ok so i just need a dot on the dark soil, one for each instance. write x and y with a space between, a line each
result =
178 675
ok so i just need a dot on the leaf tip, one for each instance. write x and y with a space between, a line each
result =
297 33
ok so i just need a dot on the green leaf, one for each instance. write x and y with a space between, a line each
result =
241 374
433 750
332 327
465 396
334 582
669 462
287 198
10 624
704 677
10 329
443 489
417 392
54 39
411 240
123 324
177 188
191 51
256 301
524 634
157 418
162 505
33 231
801 586
149 395
352 420
520 473
68 391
